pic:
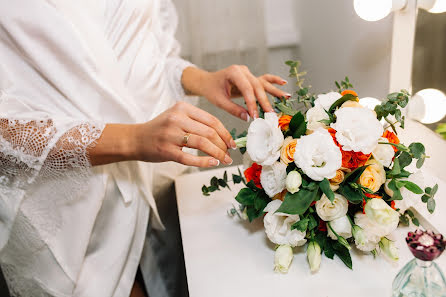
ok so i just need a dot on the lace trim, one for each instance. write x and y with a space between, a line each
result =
42 167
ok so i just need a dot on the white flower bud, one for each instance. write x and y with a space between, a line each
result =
314 256
389 249
283 258
293 181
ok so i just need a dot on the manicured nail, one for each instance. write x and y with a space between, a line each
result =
233 145
284 82
287 95
214 162
228 160
245 117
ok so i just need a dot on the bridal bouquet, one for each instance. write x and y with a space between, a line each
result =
328 172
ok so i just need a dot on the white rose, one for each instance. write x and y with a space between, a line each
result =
283 258
357 129
265 139
293 181
278 226
317 155
314 116
384 153
341 226
410 199
329 211
365 239
314 256
326 100
273 178
383 218
318 112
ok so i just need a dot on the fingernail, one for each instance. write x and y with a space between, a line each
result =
287 95
214 162
245 116
228 160
284 82
233 145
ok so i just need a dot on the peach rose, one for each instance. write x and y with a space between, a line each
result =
287 151
339 178
374 176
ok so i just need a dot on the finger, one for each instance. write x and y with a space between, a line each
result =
274 91
206 118
274 79
259 91
239 79
207 147
233 108
191 160
194 127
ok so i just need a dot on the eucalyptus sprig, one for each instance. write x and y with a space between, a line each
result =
392 106
344 84
218 183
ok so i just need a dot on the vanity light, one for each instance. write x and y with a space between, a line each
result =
427 106
375 10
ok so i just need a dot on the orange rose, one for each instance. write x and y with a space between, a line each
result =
284 122
351 92
391 137
287 151
350 159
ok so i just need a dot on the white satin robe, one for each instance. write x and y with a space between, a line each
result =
71 64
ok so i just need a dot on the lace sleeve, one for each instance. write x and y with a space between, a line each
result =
33 150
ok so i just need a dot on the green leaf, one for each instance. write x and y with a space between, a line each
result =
425 198
213 188
420 162
325 187
328 249
246 196
431 205
414 188
299 202
351 194
396 169
312 222
417 149
343 253
405 159
259 203
416 222
252 213
354 175
236 179
214 182
428 190
222 183
301 225
434 190
225 176
340 101
396 191
298 125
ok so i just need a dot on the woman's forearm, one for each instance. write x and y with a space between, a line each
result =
117 143
194 80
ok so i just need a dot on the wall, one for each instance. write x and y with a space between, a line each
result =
335 42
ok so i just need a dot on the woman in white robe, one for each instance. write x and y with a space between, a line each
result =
84 85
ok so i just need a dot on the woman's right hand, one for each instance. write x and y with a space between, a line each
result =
161 139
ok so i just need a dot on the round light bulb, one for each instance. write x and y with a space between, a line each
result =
372 10
369 102
427 106
439 7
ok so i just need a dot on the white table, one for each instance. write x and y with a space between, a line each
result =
228 257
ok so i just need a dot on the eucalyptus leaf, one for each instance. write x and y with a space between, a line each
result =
431 205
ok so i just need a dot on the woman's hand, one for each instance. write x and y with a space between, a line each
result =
162 139
235 81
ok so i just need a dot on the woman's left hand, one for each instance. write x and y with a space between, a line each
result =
235 81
